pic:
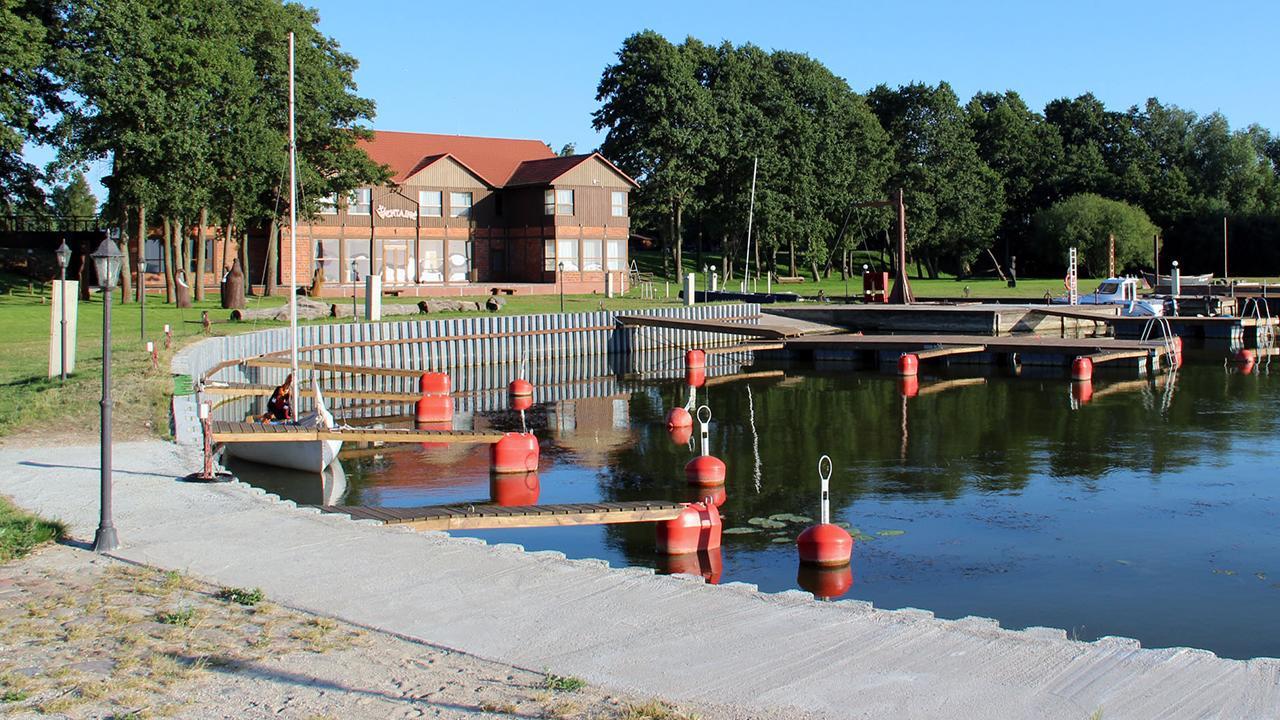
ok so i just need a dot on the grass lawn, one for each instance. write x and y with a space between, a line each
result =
20 533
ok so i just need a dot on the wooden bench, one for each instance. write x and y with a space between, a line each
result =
503 291
787 280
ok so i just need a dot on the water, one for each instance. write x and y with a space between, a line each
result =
1152 511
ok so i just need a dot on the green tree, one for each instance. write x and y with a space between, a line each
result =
29 92
1084 222
954 200
75 199
658 119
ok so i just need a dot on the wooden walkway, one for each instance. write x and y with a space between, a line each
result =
1056 350
480 517
228 431
243 389
771 327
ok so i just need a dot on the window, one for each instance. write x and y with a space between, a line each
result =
459 259
568 255
557 202
359 201
430 203
617 259
619 203
431 268
397 262
549 255
591 259
326 260
154 255
329 204
549 202
459 204
358 257
498 258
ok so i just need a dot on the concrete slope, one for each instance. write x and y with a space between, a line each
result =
770 654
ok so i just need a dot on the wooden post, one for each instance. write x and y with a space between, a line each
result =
1225 274
901 294
1155 240
1111 255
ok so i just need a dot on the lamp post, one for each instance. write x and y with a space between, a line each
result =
107 260
355 279
63 254
560 277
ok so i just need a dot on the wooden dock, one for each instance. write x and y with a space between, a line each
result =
978 319
1032 349
482 517
770 327
304 390
228 431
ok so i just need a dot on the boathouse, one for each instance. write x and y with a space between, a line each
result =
471 215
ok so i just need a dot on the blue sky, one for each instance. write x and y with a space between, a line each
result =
530 69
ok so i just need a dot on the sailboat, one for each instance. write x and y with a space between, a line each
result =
312 455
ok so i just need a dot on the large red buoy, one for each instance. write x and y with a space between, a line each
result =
521 402
716 494
1177 344
908 364
679 417
1081 369
909 387
707 563
826 583
696 528
434 383
433 408
510 489
520 388
680 435
695 359
1245 356
514 453
704 470
695 377
825 544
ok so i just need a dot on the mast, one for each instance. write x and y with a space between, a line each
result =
751 211
293 246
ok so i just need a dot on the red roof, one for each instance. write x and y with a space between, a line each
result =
541 172
493 159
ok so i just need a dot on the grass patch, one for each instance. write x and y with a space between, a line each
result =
20 532
562 683
241 596
654 710
182 617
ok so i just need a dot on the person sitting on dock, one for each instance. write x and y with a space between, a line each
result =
280 407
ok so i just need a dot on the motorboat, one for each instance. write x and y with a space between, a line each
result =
1120 291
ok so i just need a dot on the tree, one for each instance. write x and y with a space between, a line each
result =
954 200
567 150
658 119
75 199
1084 222
29 92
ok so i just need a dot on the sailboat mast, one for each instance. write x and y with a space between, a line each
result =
293 245
751 211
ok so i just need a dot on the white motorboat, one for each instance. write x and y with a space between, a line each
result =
306 455
1122 292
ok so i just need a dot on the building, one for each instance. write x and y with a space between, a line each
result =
468 215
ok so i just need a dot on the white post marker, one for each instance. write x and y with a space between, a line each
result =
1073 285
824 474
703 433
690 283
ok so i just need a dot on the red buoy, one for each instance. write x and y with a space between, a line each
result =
521 402
439 425
510 489
695 377
706 563
705 470
1081 369
520 388
434 383
1245 356
514 453
909 387
908 364
433 408
679 417
1177 344
696 528
1082 392
716 494
680 435
825 544
826 583
695 359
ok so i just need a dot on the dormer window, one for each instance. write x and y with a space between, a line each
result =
359 201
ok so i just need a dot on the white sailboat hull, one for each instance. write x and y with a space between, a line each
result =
306 455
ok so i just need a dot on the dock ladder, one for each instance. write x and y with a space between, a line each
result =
1166 333
1261 312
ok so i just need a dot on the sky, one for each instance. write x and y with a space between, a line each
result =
530 69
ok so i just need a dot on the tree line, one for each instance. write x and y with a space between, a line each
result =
987 179
188 101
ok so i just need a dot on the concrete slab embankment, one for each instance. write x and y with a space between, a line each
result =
629 629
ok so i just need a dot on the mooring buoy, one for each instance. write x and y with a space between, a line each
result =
705 469
825 544
697 527
514 453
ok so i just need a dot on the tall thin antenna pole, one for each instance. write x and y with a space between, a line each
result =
751 211
1225 274
293 244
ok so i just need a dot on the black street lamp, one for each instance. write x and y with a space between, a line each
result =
560 266
355 280
63 254
107 260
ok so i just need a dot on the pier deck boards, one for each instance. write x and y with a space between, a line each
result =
975 319
230 431
480 517
278 362
771 328
243 389
968 343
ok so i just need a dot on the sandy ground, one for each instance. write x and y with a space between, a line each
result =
86 636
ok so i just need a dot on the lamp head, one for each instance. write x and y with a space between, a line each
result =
107 260
63 254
